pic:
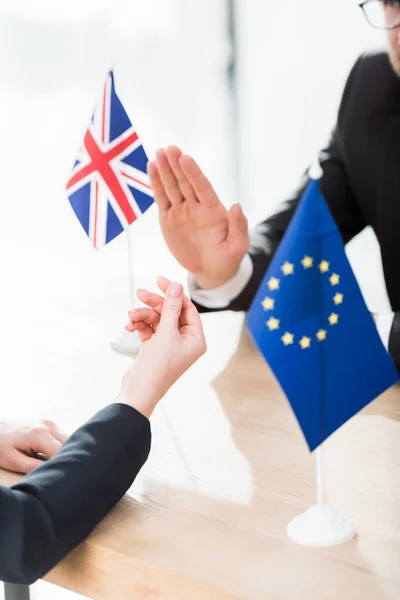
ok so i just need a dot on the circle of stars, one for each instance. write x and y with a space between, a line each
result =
268 304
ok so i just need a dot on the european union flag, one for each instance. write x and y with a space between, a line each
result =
312 326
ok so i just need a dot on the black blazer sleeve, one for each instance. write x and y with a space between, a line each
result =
53 509
394 340
337 191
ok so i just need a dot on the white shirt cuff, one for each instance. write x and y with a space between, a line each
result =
223 295
384 325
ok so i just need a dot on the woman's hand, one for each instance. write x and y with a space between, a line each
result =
20 445
172 340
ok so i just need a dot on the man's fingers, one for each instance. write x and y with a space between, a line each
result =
238 228
160 196
173 155
168 178
202 187
237 221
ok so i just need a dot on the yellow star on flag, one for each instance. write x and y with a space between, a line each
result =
334 279
273 283
338 298
307 262
333 318
287 268
305 342
321 335
268 303
272 323
324 266
288 338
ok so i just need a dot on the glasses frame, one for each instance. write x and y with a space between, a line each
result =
362 5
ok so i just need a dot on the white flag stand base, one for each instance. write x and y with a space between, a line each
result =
127 344
320 525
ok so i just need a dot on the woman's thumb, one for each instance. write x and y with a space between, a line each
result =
172 305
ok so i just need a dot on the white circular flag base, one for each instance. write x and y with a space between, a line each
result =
128 344
320 526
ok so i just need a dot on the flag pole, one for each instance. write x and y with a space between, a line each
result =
320 525
130 269
319 476
128 343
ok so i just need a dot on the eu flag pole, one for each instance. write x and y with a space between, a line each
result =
311 324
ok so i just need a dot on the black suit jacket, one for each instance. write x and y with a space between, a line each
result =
53 509
361 180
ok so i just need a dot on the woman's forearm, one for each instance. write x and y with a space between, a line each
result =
53 509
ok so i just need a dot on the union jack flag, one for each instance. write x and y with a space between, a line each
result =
109 187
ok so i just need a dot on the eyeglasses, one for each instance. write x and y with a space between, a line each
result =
382 14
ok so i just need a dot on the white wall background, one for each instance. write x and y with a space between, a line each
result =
170 61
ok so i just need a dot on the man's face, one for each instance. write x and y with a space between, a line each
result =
392 17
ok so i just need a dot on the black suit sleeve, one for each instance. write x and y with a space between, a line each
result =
394 340
337 191
53 509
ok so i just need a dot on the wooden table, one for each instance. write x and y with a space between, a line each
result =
229 468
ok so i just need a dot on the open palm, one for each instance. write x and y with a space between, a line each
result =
204 237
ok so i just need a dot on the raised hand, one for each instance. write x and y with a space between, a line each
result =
205 238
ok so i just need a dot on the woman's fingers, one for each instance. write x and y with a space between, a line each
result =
189 317
164 283
143 320
154 301
172 308
144 331
147 315
189 314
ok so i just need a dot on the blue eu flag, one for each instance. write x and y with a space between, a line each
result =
311 324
